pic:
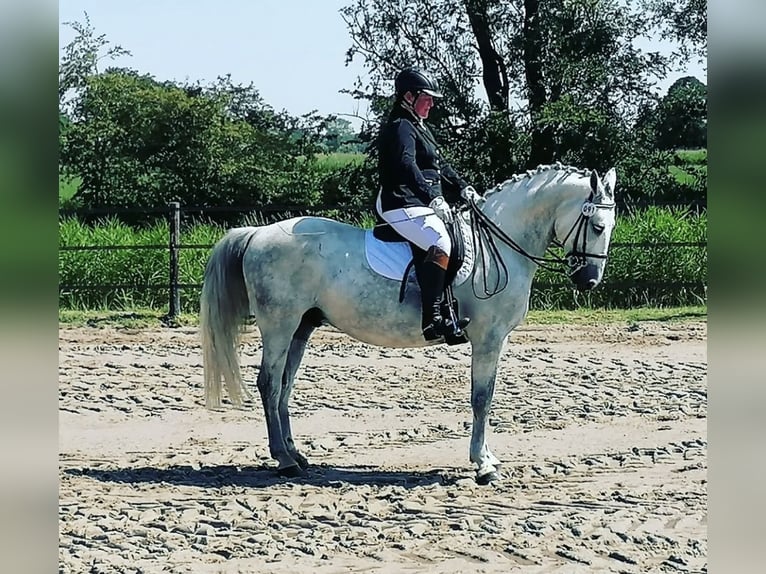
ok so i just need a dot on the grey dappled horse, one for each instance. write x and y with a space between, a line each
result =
295 275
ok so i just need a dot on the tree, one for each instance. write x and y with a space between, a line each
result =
138 142
533 54
681 117
81 58
433 34
339 136
536 59
494 69
684 21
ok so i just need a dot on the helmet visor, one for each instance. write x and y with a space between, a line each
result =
432 93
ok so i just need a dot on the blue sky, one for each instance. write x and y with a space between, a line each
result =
293 51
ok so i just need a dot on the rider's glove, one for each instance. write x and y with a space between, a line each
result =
471 195
442 209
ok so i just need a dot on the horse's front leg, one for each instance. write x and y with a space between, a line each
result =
484 358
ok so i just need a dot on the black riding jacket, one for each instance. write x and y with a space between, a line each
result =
410 167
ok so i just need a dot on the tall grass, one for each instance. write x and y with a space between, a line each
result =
132 275
634 276
643 274
144 270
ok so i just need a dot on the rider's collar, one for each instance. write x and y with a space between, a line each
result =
409 109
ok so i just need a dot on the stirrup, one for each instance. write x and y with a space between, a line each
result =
456 329
463 323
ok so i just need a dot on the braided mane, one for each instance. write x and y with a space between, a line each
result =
558 166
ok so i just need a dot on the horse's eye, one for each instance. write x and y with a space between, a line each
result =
599 228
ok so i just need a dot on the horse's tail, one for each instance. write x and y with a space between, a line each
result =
223 306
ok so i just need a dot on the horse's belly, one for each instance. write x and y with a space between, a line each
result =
386 339
369 310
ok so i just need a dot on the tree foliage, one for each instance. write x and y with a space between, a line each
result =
566 72
138 142
525 82
81 58
683 21
339 136
681 117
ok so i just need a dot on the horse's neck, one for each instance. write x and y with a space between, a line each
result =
527 210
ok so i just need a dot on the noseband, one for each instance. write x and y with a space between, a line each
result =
575 259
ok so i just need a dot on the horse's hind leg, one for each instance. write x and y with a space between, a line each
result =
276 345
294 357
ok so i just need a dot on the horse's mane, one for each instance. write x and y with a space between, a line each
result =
530 173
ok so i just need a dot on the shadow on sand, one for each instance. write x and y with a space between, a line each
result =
265 476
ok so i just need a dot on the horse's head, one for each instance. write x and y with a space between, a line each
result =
586 225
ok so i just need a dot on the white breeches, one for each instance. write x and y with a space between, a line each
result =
420 225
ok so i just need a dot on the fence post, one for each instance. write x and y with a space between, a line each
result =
174 307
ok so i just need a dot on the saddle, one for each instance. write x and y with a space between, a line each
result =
384 232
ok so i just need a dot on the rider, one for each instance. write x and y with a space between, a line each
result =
411 172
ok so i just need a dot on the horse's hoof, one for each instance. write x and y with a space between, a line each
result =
487 478
293 471
301 460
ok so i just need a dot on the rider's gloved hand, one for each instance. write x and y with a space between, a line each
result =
470 194
442 209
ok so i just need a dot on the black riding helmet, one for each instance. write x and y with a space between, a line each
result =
415 80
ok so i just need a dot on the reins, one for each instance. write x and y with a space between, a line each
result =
483 232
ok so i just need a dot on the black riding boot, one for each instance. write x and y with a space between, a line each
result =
431 279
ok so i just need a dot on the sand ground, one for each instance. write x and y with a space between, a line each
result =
601 429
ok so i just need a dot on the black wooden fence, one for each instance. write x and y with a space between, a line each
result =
174 212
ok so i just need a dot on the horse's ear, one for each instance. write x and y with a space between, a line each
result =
594 182
610 181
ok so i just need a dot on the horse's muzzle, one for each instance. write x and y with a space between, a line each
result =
587 277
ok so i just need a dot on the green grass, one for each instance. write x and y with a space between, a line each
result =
332 161
127 319
691 166
152 318
587 316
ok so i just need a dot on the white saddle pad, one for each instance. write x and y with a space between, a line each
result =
390 259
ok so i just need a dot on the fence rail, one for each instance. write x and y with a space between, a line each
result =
174 212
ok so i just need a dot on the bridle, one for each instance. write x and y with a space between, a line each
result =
575 259
485 231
